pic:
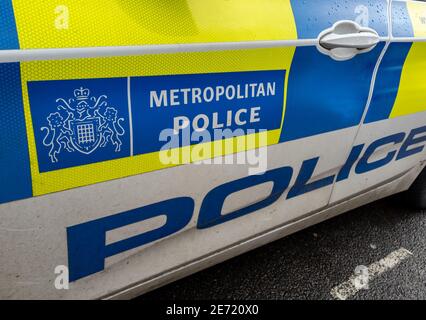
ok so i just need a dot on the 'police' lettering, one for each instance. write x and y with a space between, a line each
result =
86 242
211 209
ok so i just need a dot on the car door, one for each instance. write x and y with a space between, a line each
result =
327 96
98 95
390 142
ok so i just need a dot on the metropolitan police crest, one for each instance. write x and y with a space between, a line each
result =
82 124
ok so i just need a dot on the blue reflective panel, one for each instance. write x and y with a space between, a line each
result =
314 16
14 158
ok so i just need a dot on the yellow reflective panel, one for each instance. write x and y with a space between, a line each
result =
83 23
417 11
411 96
148 65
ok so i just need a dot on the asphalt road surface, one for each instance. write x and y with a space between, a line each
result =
310 263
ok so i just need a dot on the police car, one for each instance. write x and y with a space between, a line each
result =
142 141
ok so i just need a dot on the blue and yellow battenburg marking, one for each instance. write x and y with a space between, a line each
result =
114 94
329 82
123 95
401 82
411 97
66 92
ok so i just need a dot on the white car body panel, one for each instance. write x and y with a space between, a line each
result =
34 231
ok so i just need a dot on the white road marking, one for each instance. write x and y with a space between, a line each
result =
350 287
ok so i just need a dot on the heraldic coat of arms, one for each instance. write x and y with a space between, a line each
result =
82 124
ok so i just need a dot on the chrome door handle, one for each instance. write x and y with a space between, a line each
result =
346 39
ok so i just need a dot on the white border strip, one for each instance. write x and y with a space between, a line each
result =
92 52
95 52
408 39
